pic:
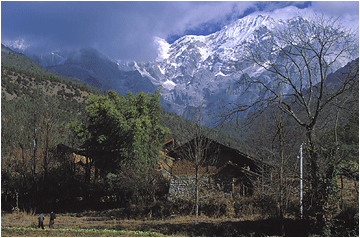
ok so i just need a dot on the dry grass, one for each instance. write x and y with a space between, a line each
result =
60 233
28 220
19 219
248 221
97 221
172 226
93 220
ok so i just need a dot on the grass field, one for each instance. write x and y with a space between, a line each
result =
90 224
18 231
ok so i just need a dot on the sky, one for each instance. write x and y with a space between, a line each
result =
125 30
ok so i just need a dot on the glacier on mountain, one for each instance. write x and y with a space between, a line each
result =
203 70
194 71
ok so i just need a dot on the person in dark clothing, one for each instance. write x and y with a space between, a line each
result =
41 221
52 220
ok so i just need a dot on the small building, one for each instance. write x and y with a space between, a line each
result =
170 145
79 160
229 172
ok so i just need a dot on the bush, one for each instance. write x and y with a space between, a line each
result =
27 219
244 206
216 207
344 224
266 205
237 204
182 207
248 206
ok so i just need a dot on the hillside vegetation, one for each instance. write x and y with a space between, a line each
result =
40 111
43 113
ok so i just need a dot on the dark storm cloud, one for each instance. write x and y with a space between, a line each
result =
120 30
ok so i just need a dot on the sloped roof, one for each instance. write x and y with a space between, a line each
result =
186 168
236 156
171 140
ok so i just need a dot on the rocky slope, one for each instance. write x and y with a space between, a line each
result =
194 71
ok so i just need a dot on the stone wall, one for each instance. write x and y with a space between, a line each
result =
183 187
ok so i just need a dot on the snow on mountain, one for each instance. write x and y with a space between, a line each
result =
169 85
193 71
17 45
202 70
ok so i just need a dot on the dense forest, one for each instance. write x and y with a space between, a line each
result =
42 113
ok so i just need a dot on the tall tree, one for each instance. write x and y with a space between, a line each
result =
307 52
124 134
198 148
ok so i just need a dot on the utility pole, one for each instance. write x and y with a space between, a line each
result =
34 161
301 183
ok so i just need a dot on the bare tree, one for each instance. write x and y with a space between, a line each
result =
296 79
275 144
49 127
198 149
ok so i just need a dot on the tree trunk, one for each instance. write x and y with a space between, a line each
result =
314 179
87 171
196 193
282 148
46 159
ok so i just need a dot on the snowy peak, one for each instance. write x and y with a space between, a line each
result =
17 45
202 70
224 44
192 71
246 26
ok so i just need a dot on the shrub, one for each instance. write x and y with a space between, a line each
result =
237 204
344 224
182 207
266 205
216 207
20 218
244 206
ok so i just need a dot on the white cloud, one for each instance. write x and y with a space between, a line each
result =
125 30
346 11
194 14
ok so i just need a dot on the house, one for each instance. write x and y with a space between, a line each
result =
79 160
231 171
165 164
170 145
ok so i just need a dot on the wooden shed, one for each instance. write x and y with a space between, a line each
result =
232 172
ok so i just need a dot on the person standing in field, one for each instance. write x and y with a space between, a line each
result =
52 220
41 221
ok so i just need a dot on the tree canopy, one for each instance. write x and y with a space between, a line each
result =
126 129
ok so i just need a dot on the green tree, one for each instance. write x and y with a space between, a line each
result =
125 135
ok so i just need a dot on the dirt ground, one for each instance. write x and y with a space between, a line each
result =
172 226
57 233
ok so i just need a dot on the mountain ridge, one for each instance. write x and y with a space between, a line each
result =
194 71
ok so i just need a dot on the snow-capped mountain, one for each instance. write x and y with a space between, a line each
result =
202 70
17 45
193 71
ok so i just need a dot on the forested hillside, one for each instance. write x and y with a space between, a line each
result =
22 77
40 111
